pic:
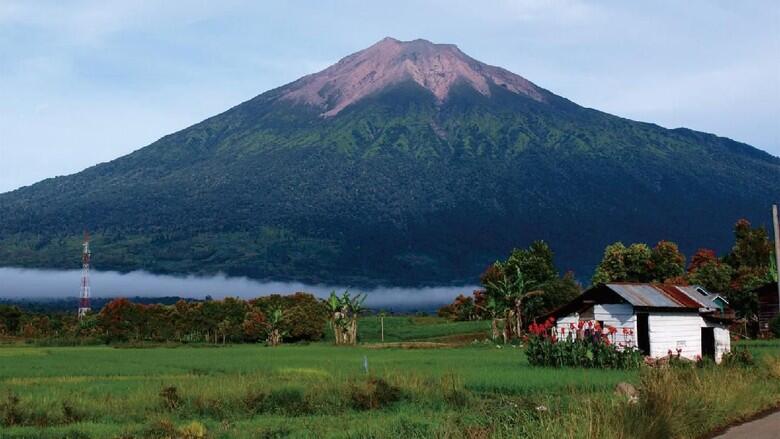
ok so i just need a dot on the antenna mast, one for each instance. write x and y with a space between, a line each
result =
84 294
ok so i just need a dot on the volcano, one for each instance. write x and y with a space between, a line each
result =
407 163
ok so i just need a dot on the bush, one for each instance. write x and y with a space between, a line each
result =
374 394
592 349
170 398
738 357
10 411
288 401
774 326
305 315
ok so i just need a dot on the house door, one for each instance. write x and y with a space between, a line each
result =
643 333
708 343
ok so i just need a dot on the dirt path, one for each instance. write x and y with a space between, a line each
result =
767 427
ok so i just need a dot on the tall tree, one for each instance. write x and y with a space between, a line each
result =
512 291
707 270
667 262
639 263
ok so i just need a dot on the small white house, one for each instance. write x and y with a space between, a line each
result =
655 318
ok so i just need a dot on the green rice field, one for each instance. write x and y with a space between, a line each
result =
318 390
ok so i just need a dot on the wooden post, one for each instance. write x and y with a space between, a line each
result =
382 324
775 221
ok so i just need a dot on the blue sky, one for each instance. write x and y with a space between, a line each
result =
83 82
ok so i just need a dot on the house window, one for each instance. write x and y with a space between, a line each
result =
702 292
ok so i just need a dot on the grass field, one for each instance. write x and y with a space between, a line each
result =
318 390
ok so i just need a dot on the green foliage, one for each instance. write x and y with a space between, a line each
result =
374 393
581 353
774 326
639 263
10 317
666 261
344 312
589 349
305 316
296 317
710 272
738 357
752 247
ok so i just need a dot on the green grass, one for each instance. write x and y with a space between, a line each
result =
400 329
249 391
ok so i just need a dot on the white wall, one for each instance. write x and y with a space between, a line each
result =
672 330
619 315
667 330
675 330
722 340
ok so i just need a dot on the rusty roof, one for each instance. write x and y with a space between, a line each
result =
663 295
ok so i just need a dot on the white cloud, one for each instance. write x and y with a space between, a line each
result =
35 284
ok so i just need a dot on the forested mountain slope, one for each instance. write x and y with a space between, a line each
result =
405 163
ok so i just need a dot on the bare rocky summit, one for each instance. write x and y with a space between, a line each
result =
435 67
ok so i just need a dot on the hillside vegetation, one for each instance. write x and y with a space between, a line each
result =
398 188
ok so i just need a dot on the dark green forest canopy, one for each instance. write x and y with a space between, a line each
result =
396 189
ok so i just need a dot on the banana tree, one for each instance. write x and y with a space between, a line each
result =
513 291
274 326
493 309
345 310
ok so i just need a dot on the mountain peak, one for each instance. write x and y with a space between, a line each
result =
435 67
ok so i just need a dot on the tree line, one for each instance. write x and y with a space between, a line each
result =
270 319
274 318
526 285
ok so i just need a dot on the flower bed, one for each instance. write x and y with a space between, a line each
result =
585 344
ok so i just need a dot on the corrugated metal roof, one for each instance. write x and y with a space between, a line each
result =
643 295
679 295
664 296
699 294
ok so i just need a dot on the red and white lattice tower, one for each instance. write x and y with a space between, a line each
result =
84 294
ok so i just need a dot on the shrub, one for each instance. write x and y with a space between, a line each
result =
158 428
774 326
288 401
70 413
374 394
738 357
10 411
193 430
453 390
591 348
305 315
255 401
170 398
